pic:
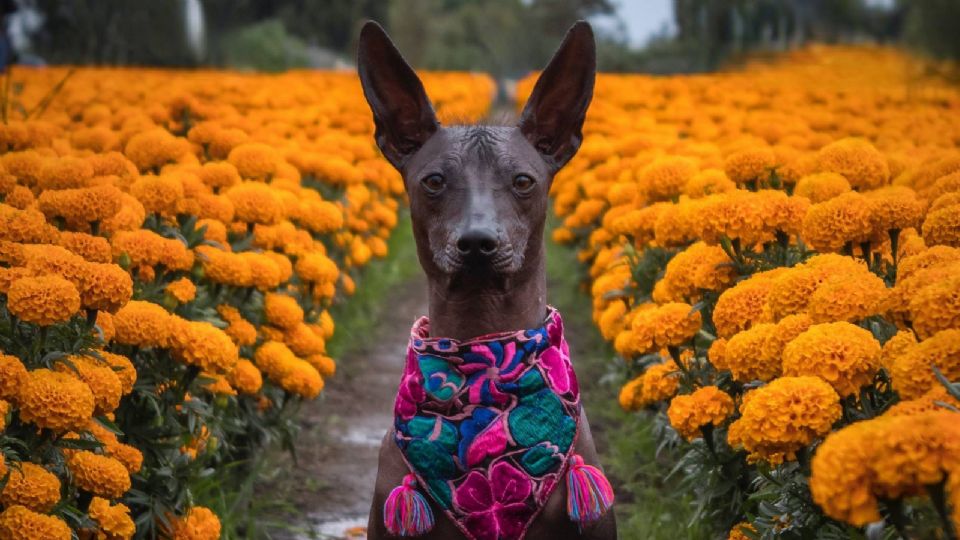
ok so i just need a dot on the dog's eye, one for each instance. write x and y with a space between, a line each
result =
524 183
433 184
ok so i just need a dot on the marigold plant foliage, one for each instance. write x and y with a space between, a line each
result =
773 253
171 244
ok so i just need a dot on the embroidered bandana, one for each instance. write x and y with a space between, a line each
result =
488 425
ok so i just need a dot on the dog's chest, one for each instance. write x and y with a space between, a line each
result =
488 425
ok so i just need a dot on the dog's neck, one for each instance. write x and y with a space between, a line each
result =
520 303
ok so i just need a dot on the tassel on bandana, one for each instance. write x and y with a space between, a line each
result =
487 427
406 512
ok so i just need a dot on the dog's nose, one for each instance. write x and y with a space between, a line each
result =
478 242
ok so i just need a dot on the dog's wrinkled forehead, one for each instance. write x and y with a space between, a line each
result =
476 150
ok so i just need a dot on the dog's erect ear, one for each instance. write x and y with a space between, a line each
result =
402 113
554 114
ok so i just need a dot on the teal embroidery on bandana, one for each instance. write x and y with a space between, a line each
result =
488 424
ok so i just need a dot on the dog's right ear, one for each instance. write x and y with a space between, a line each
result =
402 112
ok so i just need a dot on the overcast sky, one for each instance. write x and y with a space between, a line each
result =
642 19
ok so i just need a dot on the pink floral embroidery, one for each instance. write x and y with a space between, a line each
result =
495 506
411 392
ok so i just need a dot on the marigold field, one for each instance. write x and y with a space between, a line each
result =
774 253
170 243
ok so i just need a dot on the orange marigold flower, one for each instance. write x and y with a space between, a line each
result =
887 457
31 486
708 182
114 521
245 377
848 298
737 531
159 194
255 202
154 148
282 310
144 324
103 476
912 373
844 355
943 226
665 177
303 341
182 289
630 394
742 305
129 217
896 346
894 208
325 365
675 324
821 187
199 523
129 456
224 267
936 399
936 307
660 383
219 174
315 267
326 325
99 376
841 221
201 344
21 197
275 359
689 413
784 416
746 356
302 379
43 300
928 258
750 165
254 160
64 173
123 368
20 523
81 206
697 268
219 385
12 375
857 160
105 323
106 287
25 226
55 400
92 248
10 275
265 274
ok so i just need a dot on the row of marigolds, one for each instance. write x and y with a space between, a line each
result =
775 254
170 243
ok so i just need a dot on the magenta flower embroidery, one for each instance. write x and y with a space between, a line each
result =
411 393
559 370
496 507
487 367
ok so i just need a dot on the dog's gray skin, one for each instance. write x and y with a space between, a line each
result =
478 201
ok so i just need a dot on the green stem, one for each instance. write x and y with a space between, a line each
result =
939 499
895 508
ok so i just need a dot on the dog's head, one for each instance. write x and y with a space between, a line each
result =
478 194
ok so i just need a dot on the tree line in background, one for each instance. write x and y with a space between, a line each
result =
506 38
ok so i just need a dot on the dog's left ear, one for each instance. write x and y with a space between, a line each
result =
553 117
402 112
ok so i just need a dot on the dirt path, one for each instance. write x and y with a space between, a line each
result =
332 483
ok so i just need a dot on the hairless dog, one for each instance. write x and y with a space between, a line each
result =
478 202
